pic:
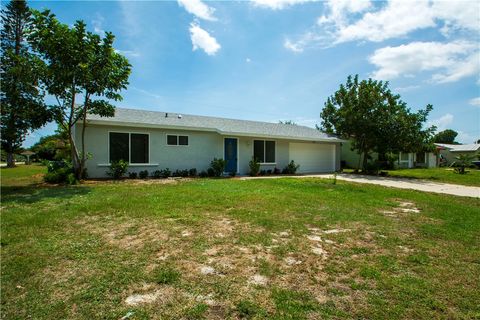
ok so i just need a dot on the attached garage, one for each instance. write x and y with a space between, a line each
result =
313 157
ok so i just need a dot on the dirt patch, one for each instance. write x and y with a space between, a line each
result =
402 207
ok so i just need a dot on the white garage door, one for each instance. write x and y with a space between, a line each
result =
313 157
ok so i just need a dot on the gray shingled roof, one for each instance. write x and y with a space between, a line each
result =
154 119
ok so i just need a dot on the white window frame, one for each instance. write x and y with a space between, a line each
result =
130 147
265 151
178 135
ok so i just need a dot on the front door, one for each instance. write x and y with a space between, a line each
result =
231 156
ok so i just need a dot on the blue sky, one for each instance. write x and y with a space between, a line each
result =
272 60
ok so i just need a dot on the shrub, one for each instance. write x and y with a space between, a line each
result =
210 172
143 174
132 175
203 174
218 166
232 174
184 173
276 171
263 172
165 173
372 168
192 172
157 174
117 169
254 166
291 168
60 172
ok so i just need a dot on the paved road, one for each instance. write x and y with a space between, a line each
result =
412 184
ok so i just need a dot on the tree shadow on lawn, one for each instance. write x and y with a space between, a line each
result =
37 192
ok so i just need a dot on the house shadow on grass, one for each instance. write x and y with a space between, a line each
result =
37 192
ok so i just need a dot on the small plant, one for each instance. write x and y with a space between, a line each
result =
276 171
334 178
132 175
157 174
232 174
291 168
192 172
143 174
463 161
247 309
254 166
218 166
263 172
166 173
210 172
117 169
269 171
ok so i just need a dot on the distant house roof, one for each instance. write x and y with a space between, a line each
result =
459 147
155 119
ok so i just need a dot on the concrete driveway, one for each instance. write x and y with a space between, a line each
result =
412 184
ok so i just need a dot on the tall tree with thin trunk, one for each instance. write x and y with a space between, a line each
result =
375 119
84 73
22 107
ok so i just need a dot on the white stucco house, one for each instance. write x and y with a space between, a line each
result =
448 152
151 140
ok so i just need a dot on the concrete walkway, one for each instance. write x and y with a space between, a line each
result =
412 184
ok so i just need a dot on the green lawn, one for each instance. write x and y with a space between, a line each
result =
443 175
229 248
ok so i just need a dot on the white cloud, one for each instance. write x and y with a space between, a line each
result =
441 123
248 60
353 20
97 24
451 61
295 47
128 53
466 138
406 88
475 102
198 9
278 4
201 39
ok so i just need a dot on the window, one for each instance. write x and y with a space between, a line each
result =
119 148
403 156
174 140
264 151
421 157
139 145
131 147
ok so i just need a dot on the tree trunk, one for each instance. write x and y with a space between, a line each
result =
365 161
10 160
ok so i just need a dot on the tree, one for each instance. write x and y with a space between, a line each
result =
84 73
446 136
375 119
53 147
21 98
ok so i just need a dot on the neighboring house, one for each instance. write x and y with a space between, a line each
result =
450 151
352 159
151 141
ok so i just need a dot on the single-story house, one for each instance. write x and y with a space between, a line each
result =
352 159
448 152
151 140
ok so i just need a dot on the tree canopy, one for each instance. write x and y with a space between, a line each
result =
446 136
83 72
375 119
21 97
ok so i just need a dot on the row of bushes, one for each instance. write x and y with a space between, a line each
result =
119 168
254 166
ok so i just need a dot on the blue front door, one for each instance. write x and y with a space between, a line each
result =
231 154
